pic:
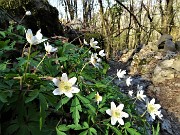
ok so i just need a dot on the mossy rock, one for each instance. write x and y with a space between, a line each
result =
44 16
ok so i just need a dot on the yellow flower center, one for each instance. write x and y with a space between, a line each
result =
150 108
97 97
116 113
65 86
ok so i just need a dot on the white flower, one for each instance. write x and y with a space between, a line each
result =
49 48
130 93
65 86
85 42
140 95
98 98
28 12
94 60
93 44
128 81
34 40
101 53
139 87
117 114
153 109
121 73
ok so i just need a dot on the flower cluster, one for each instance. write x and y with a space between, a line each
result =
152 108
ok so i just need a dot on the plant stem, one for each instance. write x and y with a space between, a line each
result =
143 113
27 61
40 62
111 81
84 67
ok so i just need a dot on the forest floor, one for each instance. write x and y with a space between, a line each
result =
169 99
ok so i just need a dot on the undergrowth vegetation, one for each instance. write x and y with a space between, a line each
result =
50 87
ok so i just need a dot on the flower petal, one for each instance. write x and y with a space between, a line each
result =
39 35
68 94
64 77
113 106
108 111
121 122
72 80
152 101
113 120
57 92
153 116
75 90
125 115
120 107
56 81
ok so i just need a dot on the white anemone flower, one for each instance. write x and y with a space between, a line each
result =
140 95
65 86
121 73
130 93
98 98
101 53
93 44
128 81
152 109
95 60
139 87
34 40
28 13
85 42
49 48
117 114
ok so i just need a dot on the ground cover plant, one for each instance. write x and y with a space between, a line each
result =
49 88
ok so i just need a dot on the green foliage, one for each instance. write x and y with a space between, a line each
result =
28 106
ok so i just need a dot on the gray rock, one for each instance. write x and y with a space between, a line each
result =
176 64
177 45
166 63
169 46
162 75
162 40
166 125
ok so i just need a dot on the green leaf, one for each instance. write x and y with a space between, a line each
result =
4 43
3 97
43 107
100 85
115 129
86 103
156 132
63 127
32 96
84 132
61 59
12 128
102 110
58 43
132 131
2 34
127 124
59 132
21 61
2 66
62 102
75 109
92 131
